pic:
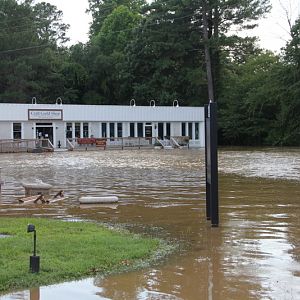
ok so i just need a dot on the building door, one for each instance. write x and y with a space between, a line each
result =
44 131
148 132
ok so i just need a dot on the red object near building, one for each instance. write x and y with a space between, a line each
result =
86 141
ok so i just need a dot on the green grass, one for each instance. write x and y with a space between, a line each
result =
67 250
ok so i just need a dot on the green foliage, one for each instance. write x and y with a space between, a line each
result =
156 51
30 60
68 250
165 57
106 57
116 30
259 103
247 100
293 47
101 9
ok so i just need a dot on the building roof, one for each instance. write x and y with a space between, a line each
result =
105 113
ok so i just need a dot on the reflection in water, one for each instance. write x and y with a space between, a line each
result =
254 254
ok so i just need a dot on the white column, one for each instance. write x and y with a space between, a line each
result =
54 134
64 143
164 130
201 134
100 130
144 131
73 130
22 130
135 129
155 129
81 129
116 129
124 129
186 129
107 130
34 131
12 130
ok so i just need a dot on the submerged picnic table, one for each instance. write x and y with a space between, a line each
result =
37 188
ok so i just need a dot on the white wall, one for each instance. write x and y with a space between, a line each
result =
28 132
176 129
59 134
5 130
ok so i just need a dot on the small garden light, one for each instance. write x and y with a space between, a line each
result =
34 263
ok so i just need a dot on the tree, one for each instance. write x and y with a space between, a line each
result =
100 9
49 25
165 58
248 103
30 60
107 56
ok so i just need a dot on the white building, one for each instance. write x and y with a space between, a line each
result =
60 122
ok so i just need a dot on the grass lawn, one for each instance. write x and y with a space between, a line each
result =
67 250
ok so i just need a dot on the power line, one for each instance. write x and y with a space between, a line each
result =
157 22
21 49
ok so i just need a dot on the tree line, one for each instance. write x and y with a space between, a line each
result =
156 51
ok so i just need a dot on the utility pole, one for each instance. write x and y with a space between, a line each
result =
211 143
207 54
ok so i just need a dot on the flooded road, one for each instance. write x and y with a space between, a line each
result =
254 254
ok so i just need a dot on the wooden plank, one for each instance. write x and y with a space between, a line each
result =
32 199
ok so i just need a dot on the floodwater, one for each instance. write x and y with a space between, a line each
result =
253 254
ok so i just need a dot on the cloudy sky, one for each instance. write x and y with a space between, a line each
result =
272 31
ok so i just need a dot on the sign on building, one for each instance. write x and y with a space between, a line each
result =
45 114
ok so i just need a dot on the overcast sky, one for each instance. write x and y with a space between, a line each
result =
272 31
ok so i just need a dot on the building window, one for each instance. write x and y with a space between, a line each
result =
183 133
69 131
196 131
77 130
111 130
168 130
140 129
131 134
148 130
85 130
104 130
17 131
190 130
120 129
160 130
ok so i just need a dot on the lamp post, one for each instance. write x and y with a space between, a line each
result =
34 262
175 103
152 103
132 102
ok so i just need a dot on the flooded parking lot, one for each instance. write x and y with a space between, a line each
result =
254 254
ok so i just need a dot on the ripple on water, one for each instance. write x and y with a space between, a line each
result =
264 163
252 255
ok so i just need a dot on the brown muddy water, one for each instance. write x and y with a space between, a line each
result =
254 254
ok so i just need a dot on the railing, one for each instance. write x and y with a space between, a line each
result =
166 144
182 141
28 145
70 146
174 143
110 143
42 145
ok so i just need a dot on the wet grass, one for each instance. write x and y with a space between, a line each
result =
67 250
